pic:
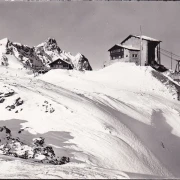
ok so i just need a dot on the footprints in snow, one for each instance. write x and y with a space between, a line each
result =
48 107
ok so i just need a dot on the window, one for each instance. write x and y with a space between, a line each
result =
116 57
134 55
65 65
116 50
126 55
112 57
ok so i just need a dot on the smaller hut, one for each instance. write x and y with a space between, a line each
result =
60 64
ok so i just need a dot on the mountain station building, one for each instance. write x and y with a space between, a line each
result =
142 50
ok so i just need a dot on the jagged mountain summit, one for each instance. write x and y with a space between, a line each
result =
40 56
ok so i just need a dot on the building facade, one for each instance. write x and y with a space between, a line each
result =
124 54
60 64
141 50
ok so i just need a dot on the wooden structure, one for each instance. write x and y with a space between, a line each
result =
176 74
177 69
142 50
60 64
124 53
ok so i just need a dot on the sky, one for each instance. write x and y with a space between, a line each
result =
91 28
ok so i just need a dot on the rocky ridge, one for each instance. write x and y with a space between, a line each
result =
39 57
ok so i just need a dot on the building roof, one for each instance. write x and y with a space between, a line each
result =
126 47
143 37
58 58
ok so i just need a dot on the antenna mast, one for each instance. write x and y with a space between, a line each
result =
140 44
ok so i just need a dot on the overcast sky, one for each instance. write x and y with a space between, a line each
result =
90 28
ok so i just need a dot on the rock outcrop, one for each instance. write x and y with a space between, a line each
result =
39 151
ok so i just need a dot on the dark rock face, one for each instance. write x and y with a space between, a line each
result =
2 99
13 146
51 45
84 64
5 94
7 131
25 54
10 93
39 141
17 102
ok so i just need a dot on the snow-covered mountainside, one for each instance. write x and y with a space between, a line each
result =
119 122
39 57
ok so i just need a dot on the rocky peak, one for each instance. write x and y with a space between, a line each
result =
81 62
51 45
51 41
79 56
40 56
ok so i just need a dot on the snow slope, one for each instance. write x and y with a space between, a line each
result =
118 122
14 62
